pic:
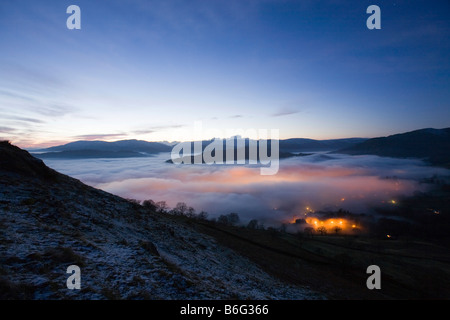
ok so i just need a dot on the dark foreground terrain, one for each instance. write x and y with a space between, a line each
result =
49 221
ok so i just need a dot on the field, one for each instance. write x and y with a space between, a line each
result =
336 265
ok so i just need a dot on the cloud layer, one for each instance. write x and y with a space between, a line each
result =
319 182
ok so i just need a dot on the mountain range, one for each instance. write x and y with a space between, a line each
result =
103 149
139 148
431 145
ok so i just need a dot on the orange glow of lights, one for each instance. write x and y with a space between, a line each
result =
343 224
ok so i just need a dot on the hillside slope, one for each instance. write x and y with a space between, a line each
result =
432 145
49 221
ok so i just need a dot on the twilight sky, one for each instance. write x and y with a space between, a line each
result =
149 70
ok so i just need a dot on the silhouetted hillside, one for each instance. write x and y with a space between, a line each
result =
18 161
311 145
432 145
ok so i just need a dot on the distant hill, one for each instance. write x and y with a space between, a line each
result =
311 145
103 149
432 145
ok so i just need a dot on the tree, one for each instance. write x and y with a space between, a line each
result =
180 209
253 224
230 219
149 204
223 219
322 230
190 212
161 206
203 215
233 218
337 229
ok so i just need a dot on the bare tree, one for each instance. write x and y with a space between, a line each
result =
203 215
149 204
233 218
190 212
322 230
230 219
161 206
180 209
253 224
337 229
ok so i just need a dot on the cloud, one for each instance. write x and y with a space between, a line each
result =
153 129
284 112
7 130
100 136
24 119
139 132
16 95
55 110
354 183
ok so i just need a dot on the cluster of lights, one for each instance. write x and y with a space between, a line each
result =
331 223
342 224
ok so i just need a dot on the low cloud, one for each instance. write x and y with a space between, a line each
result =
320 182
100 136
55 110
24 119
153 129
7 130
284 112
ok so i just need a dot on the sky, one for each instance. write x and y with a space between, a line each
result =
151 70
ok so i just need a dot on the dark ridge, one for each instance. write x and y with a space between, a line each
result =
16 160
432 145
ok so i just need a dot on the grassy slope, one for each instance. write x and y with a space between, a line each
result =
336 265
